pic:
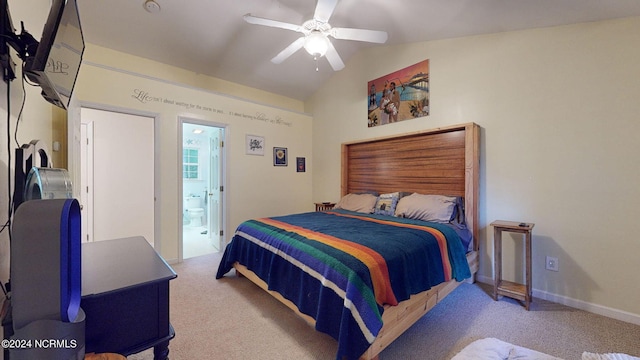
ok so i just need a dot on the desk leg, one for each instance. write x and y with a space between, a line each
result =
161 351
497 260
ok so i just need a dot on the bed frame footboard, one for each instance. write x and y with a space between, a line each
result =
396 319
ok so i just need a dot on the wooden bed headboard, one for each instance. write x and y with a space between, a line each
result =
443 161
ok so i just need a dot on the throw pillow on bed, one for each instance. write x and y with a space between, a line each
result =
364 203
434 208
386 204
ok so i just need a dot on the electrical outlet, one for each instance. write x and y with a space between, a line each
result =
551 263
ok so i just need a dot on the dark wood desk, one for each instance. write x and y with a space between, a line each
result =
125 296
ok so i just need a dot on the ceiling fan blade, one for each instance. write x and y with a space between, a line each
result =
324 10
288 51
273 23
334 59
373 36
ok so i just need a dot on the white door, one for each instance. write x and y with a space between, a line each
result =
123 175
215 187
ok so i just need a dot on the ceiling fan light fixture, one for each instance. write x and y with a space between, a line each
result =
316 44
316 33
151 6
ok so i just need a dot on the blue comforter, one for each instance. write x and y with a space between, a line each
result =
341 267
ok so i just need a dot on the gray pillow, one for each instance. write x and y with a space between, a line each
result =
364 203
435 208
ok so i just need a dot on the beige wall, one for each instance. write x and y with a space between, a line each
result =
176 75
254 187
559 111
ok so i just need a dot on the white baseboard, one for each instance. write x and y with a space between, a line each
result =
578 304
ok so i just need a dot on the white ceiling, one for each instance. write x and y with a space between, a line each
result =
210 36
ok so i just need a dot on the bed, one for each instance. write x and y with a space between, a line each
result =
361 289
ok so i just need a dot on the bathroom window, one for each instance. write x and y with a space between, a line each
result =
190 166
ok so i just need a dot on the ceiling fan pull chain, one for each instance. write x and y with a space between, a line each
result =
316 60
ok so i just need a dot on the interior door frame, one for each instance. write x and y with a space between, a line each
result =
86 198
74 136
182 119
220 170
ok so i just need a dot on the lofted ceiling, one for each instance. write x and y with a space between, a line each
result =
210 36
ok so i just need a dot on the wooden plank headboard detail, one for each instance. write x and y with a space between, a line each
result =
444 161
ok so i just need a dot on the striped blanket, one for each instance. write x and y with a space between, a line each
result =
341 267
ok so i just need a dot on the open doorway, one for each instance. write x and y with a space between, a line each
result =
202 188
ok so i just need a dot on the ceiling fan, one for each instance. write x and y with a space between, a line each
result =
316 34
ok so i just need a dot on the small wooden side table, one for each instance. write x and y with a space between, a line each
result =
325 206
513 290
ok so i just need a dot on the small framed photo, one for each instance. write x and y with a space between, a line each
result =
254 145
280 156
300 164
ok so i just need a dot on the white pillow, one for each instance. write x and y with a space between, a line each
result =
434 208
364 203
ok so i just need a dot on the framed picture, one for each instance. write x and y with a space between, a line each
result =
254 145
279 156
300 164
401 95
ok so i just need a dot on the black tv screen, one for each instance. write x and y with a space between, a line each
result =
57 60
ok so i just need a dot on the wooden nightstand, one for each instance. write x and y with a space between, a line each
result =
324 206
513 290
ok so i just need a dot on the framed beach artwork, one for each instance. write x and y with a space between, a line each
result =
401 95
254 144
279 156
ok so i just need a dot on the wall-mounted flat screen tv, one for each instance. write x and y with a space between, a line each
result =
56 62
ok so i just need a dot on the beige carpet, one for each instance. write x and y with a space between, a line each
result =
233 319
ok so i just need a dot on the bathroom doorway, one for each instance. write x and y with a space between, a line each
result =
202 188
